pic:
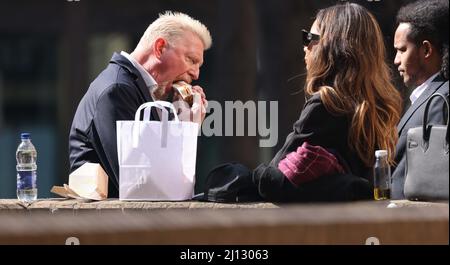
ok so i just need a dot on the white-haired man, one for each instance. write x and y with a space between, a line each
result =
170 50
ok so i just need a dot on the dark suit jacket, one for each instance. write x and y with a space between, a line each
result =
413 117
318 127
114 95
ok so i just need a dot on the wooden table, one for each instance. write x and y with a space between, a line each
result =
52 221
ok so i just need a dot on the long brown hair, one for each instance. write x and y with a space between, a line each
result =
348 69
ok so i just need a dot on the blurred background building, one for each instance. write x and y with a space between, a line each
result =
50 50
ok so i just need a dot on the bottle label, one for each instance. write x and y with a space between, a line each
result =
26 180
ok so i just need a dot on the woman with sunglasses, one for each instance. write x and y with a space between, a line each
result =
352 109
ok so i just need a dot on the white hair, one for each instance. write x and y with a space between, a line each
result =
172 25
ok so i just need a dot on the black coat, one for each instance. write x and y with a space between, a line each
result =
114 95
413 117
317 126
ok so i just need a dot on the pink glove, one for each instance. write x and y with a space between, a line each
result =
308 163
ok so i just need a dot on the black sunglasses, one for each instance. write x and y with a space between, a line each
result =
308 37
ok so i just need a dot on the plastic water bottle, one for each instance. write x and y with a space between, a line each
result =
382 176
26 169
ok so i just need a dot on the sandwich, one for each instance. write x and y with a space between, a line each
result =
185 91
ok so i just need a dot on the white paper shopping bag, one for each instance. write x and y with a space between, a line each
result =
156 158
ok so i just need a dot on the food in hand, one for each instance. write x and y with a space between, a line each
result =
185 91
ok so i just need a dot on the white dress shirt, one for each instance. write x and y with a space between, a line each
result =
148 79
419 90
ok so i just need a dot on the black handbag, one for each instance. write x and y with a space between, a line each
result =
427 159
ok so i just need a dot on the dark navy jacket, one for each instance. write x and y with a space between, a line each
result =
114 95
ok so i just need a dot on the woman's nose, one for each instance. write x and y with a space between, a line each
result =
305 49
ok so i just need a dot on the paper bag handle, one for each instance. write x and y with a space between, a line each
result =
157 104
164 120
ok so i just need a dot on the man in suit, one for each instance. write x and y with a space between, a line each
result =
170 50
421 42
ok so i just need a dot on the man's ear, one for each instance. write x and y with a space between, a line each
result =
427 49
159 46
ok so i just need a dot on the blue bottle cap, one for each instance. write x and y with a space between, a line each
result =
24 136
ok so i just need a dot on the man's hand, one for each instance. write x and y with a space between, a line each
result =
199 90
197 112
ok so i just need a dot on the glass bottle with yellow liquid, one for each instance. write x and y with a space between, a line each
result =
381 176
